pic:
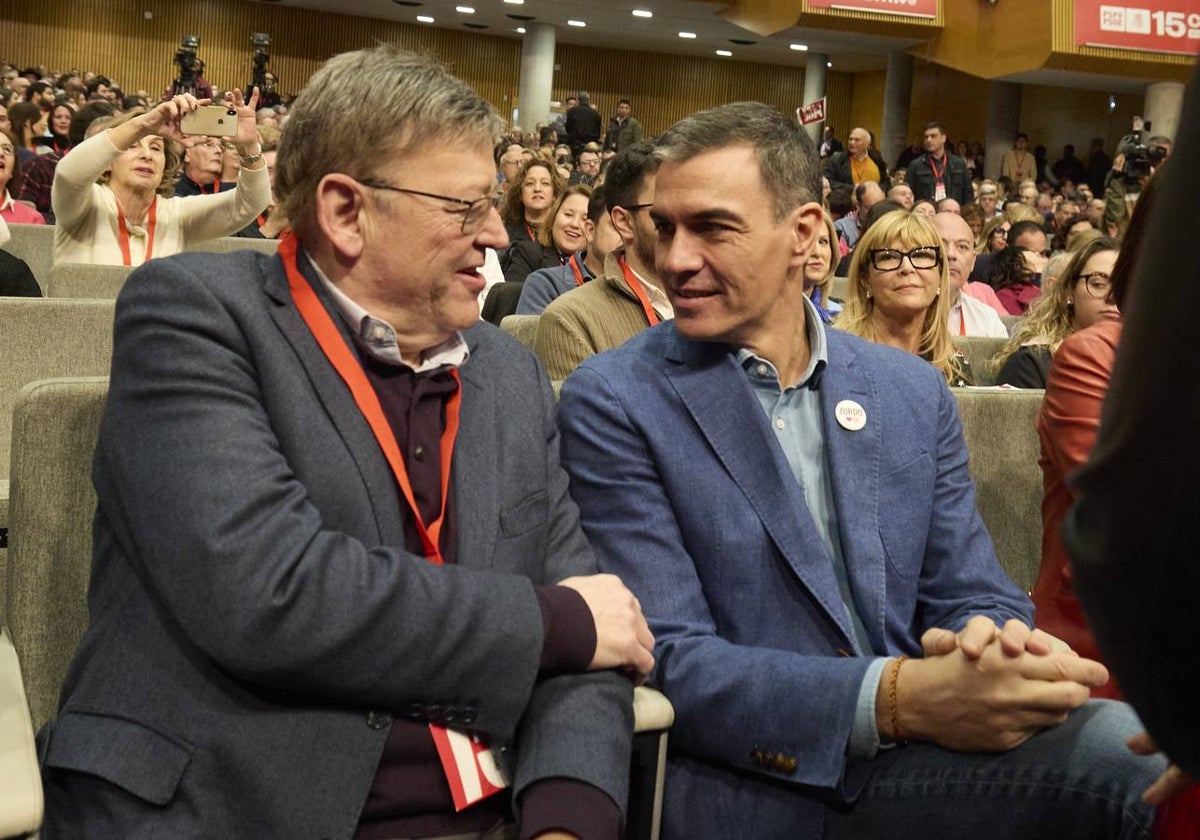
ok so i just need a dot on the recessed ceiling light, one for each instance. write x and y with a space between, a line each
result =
687 34
643 13
799 47
577 23
829 64
515 2
520 30
724 53
465 10
424 19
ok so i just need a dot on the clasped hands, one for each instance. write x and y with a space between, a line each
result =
987 688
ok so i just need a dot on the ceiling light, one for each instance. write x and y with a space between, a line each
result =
576 23
515 2
687 34
520 30
643 13
724 53
799 47
465 10
829 64
424 19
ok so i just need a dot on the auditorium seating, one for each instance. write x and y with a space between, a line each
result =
83 280
999 430
521 327
225 244
981 352
35 245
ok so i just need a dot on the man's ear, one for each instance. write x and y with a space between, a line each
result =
622 222
589 230
806 223
340 211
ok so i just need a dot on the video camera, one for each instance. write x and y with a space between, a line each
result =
262 58
186 58
1140 158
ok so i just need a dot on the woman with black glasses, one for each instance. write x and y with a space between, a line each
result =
1078 299
898 294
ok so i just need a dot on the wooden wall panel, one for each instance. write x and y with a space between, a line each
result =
113 37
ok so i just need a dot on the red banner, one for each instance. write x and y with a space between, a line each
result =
813 112
1167 26
909 8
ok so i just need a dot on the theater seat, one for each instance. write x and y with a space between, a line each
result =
83 280
225 244
521 327
999 430
980 352
35 245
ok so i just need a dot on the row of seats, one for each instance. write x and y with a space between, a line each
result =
35 245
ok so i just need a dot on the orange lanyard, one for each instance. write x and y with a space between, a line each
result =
962 321
123 230
575 268
635 284
529 230
344 362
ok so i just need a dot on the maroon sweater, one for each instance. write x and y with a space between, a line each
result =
410 796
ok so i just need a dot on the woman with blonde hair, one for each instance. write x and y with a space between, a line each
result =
114 194
1079 298
898 293
819 270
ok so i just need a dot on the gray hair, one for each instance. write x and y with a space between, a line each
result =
787 159
366 107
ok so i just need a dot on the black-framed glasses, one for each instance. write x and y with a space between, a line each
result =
1098 284
632 208
474 212
1001 232
889 259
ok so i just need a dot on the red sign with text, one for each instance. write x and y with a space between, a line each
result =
910 8
1167 26
813 112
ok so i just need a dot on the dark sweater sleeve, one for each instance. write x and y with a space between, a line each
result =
572 806
1025 368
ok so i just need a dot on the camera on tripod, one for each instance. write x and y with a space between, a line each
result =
1140 157
185 58
262 58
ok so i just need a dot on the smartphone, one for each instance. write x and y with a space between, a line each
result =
211 120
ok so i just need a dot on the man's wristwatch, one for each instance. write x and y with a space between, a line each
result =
247 160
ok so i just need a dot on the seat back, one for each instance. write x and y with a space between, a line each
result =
35 245
999 428
521 327
55 426
980 352
83 280
225 244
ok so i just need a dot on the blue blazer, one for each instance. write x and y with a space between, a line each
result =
686 494
256 623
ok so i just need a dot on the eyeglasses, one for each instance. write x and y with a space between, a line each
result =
474 212
634 207
1001 232
1098 284
889 259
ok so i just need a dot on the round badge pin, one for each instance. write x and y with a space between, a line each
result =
850 415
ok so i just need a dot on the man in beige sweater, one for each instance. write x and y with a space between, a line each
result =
628 296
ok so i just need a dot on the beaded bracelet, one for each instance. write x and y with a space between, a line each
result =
892 702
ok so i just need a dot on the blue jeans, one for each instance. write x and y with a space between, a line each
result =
1076 780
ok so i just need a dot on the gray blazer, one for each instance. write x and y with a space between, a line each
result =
255 620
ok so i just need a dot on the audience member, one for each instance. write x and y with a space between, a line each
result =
588 167
949 205
1079 298
583 124
525 209
938 174
12 210
203 162
968 315
1017 163
1011 275
994 236
268 469
568 231
895 297
830 145
28 124
850 227
113 195
629 296
1098 166
820 530
37 184
819 270
902 194
860 162
925 208
988 199
60 128
544 285
1121 190
623 129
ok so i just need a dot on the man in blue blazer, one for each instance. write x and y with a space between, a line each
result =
793 509
339 587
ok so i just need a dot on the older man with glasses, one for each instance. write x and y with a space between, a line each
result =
339 587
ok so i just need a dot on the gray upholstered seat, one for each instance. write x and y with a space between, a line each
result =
35 245
521 327
84 280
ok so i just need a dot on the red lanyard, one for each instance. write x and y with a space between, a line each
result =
635 284
348 367
529 230
962 321
574 263
123 229
938 177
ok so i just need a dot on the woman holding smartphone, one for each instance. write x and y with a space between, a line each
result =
113 196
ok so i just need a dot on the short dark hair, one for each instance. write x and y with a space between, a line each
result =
92 86
36 89
940 126
84 117
881 209
1021 135
627 173
597 205
1021 228
624 102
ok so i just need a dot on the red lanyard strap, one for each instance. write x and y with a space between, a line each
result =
939 177
123 231
347 365
639 290
574 263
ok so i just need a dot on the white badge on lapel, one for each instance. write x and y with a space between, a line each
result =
850 415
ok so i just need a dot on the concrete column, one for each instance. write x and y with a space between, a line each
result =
897 94
1004 122
537 75
814 89
1164 103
